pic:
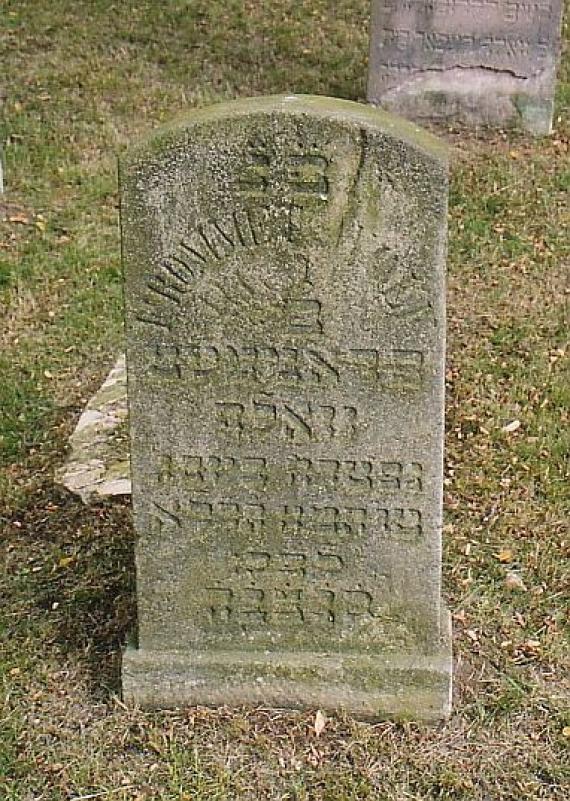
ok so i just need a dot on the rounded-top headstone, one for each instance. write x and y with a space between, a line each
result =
284 289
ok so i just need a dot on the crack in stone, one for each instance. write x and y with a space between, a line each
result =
470 68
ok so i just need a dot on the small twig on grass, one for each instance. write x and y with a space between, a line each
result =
102 792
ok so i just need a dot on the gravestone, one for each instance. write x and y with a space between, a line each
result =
284 266
489 62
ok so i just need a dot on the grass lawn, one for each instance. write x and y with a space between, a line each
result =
79 80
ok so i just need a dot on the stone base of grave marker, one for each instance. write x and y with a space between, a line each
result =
395 685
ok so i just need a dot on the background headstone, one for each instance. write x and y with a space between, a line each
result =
284 267
487 62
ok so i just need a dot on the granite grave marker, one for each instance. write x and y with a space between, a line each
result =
284 269
480 61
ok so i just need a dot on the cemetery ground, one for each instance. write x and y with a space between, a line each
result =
80 81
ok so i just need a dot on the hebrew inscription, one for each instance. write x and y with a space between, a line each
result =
288 365
213 473
267 420
255 607
320 522
267 173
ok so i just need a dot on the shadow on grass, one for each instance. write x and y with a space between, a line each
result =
75 577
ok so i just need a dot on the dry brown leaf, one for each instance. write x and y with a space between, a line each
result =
505 555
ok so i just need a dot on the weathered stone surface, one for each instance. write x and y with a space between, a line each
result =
489 62
284 265
98 462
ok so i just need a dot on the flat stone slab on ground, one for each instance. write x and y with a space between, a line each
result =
98 464
284 288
